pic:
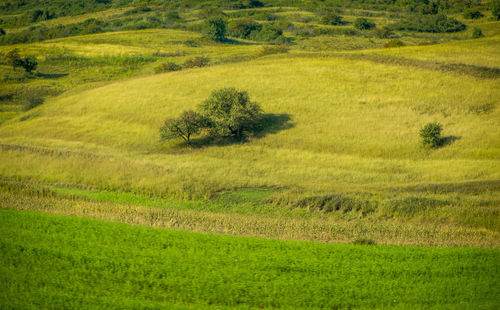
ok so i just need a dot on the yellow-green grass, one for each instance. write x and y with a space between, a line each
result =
66 20
479 52
81 60
353 123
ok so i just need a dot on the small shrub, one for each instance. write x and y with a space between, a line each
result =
331 18
167 67
473 14
394 43
431 135
2 32
362 23
477 33
198 61
215 29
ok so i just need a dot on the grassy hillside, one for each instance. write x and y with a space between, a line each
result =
116 266
342 136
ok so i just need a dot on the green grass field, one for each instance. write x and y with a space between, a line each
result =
116 266
142 223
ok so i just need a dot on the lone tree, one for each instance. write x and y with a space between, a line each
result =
230 112
431 135
13 58
2 32
188 124
215 28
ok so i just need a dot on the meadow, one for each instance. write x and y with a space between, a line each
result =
337 163
116 266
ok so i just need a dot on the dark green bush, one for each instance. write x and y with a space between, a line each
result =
243 28
2 32
39 15
167 67
215 29
430 23
198 61
269 33
472 14
477 33
362 23
431 135
331 18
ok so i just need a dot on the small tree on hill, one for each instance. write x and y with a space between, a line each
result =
215 28
363 24
431 135
185 126
13 58
29 63
230 112
2 32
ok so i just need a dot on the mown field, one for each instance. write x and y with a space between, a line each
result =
98 265
363 215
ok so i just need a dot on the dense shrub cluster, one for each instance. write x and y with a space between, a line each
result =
243 28
362 23
215 28
331 18
473 14
39 15
430 23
